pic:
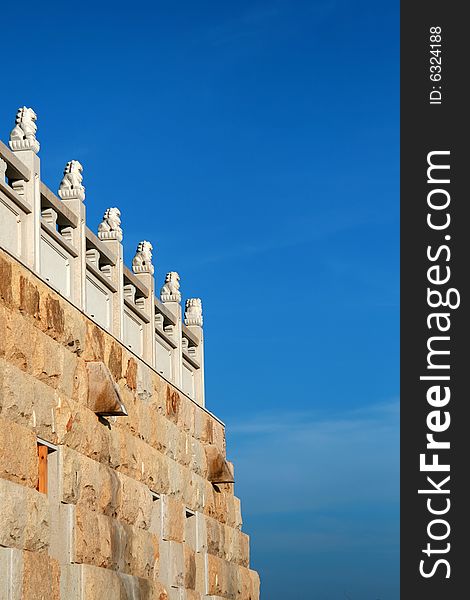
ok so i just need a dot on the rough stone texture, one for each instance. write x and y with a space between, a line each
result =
173 522
96 487
18 454
5 281
41 577
104 542
86 582
172 563
120 489
24 517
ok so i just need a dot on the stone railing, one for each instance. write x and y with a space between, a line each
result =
48 233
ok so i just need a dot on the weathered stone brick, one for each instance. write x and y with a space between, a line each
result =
29 298
41 577
131 374
93 348
172 563
24 517
6 295
174 516
18 454
105 542
53 316
189 568
114 360
80 429
200 580
87 582
173 402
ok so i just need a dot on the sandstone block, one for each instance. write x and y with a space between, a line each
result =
187 416
171 564
160 431
198 458
179 478
104 542
96 487
215 537
114 360
189 568
6 295
24 517
203 429
80 429
221 505
29 298
94 344
28 402
194 492
52 317
86 582
173 403
201 565
173 521
18 454
218 577
235 512
248 584
41 577
138 460
4 319
20 342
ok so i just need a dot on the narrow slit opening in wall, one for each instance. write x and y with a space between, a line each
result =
155 496
44 448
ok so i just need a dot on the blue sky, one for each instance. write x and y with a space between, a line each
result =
256 145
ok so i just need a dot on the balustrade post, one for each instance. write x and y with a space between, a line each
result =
110 233
193 320
24 144
143 268
170 295
72 194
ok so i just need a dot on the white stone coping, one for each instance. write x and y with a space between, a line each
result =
93 241
50 200
16 169
70 248
16 198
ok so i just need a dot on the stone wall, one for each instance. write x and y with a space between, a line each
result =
131 509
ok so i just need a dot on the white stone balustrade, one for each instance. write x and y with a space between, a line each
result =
48 233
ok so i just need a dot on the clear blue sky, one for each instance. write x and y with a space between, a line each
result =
256 145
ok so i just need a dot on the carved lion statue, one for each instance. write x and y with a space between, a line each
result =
25 128
193 312
171 287
111 220
142 261
72 176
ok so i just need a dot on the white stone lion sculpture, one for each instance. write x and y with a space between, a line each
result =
193 312
71 184
170 291
142 261
23 135
110 226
